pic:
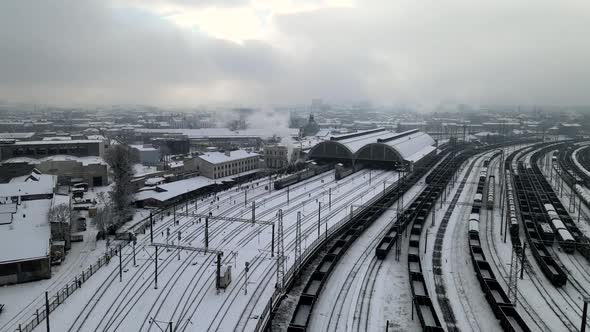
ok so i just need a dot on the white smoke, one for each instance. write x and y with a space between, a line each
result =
276 122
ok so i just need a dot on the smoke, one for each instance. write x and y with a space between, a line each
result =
275 121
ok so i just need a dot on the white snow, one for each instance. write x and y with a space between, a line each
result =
220 157
88 160
186 287
27 236
166 191
33 184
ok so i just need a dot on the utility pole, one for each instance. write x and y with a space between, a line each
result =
398 242
272 241
319 214
280 254
151 229
207 232
218 275
246 269
513 277
330 198
522 261
584 315
298 242
134 243
120 266
156 273
47 310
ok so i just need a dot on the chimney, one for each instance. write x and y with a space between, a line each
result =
228 153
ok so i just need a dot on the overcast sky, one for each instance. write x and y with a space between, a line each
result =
183 52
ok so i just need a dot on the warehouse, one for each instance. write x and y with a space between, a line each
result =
25 232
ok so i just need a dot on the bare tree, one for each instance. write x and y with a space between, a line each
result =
121 159
61 215
104 218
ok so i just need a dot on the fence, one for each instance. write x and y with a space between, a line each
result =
65 292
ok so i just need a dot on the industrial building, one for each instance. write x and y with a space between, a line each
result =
25 232
39 149
147 153
92 170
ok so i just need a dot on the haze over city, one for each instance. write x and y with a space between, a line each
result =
182 53
294 165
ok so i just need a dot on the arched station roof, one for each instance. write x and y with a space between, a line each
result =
375 145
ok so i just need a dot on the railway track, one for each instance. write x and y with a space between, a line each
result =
491 245
262 215
305 232
440 287
334 319
551 300
214 234
110 279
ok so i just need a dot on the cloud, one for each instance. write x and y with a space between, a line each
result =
69 51
66 51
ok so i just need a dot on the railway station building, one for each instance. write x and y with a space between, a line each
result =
376 148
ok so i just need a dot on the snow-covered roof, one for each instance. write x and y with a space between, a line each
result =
76 141
32 184
322 133
96 137
410 145
357 140
413 146
167 191
154 181
143 148
222 132
220 157
88 160
57 138
485 133
27 236
17 135
142 170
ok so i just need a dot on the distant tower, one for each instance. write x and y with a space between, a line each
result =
312 127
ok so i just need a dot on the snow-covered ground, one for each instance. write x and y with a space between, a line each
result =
186 293
463 290
21 300
363 293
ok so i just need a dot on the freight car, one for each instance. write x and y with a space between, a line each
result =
566 240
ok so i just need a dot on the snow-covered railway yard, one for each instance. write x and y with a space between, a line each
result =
186 292
361 293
